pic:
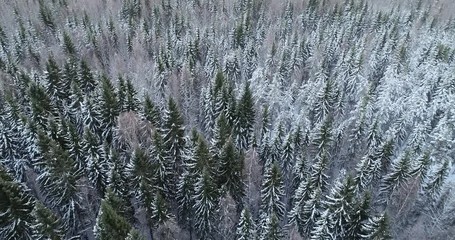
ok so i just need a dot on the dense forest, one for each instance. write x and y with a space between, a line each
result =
220 119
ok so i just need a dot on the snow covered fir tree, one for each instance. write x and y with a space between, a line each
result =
220 119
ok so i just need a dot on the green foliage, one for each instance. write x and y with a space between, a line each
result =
230 171
246 229
109 224
245 119
47 224
16 207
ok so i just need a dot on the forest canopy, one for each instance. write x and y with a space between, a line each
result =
218 119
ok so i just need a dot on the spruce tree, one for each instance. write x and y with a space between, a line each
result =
245 119
246 229
272 193
173 138
86 79
47 225
205 205
61 172
399 174
160 212
16 206
322 228
151 112
109 224
109 109
340 204
162 167
131 101
360 215
230 171
377 228
272 229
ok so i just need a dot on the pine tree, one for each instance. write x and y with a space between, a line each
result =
222 133
54 87
91 117
272 193
132 103
340 204
61 172
318 175
47 224
162 168
326 99
360 215
160 212
109 224
272 229
121 94
174 140
297 213
86 79
245 119
322 228
377 228
311 211
185 193
140 171
151 112
97 166
109 109
246 228
205 205
41 105
134 235
323 138
399 174
230 171
434 182
16 206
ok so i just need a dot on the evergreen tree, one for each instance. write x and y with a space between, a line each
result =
132 103
97 165
121 94
322 228
323 137
359 217
272 229
109 109
134 235
174 140
377 228
340 204
297 213
47 224
160 212
109 224
230 171
272 193
91 117
434 182
399 174
41 105
54 87
151 112
326 99
61 172
86 79
205 205
245 119
246 228
16 206
162 167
